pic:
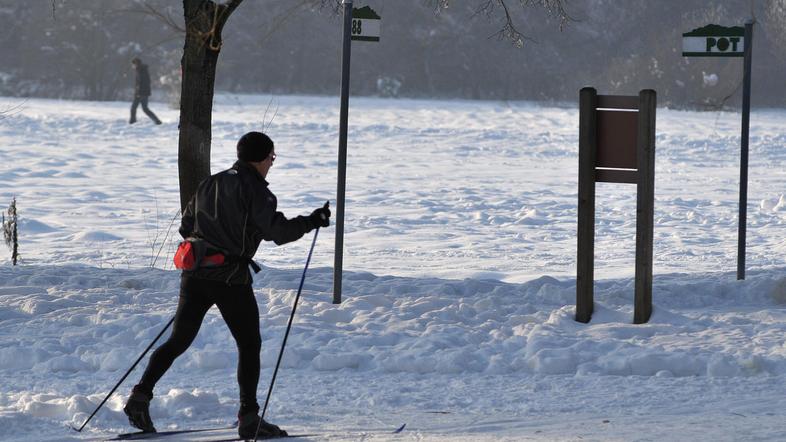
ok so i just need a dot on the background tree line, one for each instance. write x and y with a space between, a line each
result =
82 49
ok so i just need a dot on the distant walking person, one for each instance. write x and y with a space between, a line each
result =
223 224
141 91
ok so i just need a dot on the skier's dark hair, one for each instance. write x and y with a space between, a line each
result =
254 147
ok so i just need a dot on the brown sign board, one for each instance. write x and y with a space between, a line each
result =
616 139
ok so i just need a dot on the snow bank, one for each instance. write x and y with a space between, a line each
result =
397 324
86 326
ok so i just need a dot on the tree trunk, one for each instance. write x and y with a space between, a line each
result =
204 22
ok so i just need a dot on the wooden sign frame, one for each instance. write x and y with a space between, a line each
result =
616 145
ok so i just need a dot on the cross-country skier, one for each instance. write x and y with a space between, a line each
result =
225 221
141 91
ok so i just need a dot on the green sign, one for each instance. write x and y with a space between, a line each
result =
366 24
714 41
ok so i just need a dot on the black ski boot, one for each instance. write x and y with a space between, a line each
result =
138 410
247 428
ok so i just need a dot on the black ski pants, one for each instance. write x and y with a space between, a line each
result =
148 112
241 314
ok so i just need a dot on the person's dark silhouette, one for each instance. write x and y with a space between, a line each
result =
141 91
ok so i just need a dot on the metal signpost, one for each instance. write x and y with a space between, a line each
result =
719 41
359 24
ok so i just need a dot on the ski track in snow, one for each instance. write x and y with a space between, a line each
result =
459 284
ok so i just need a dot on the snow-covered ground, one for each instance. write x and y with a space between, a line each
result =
459 286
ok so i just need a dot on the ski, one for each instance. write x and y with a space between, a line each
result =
289 436
141 435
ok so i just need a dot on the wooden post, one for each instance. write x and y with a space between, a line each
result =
645 206
588 100
616 145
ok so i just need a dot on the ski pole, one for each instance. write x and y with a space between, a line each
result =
125 375
286 334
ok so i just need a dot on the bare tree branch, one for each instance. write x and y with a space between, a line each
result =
509 30
12 110
282 18
164 18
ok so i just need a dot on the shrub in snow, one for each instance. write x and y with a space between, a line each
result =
779 292
10 231
710 80
388 87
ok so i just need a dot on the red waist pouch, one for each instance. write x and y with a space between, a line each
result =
191 255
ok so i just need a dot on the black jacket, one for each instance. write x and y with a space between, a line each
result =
142 85
234 211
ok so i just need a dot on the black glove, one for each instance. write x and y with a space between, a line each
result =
321 216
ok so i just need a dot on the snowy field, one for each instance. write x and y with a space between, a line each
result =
459 286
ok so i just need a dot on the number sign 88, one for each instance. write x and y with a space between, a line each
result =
357 27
